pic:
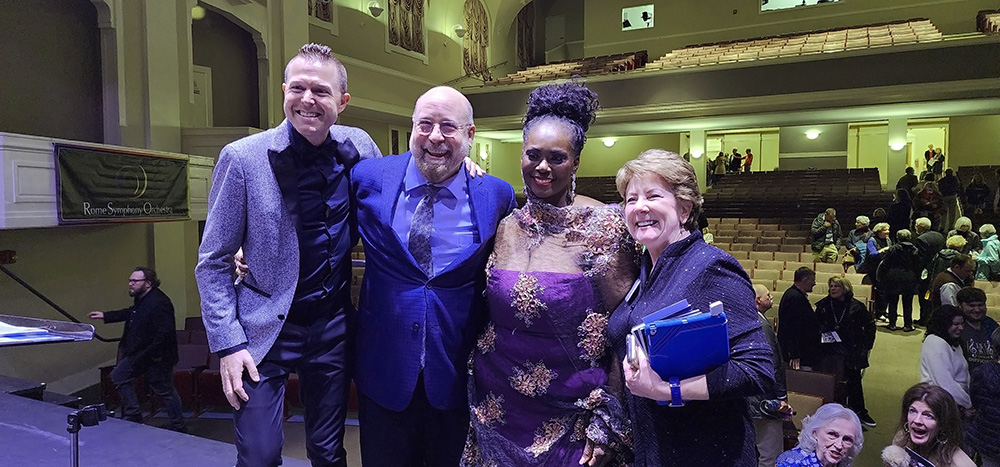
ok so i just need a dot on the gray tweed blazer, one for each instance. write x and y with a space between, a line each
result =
246 210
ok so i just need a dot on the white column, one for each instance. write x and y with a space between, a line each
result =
698 158
896 150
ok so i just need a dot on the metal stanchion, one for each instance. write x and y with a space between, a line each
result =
90 415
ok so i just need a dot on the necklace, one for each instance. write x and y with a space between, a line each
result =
843 313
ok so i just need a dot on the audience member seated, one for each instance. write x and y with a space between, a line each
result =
946 284
942 260
826 235
931 425
963 228
988 262
898 277
856 243
847 336
976 343
984 427
831 437
941 360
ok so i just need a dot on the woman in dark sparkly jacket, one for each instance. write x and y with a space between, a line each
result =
712 427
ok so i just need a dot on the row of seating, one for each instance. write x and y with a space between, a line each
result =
799 44
988 21
601 65
807 192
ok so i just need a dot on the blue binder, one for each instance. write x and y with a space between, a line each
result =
682 342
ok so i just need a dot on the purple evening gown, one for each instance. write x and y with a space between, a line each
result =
539 384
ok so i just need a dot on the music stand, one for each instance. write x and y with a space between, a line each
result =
20 330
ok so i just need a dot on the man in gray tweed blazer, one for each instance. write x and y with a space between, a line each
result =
283 196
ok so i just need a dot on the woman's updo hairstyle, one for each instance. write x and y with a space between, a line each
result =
568 102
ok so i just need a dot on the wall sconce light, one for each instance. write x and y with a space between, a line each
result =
197 12
459 30
484 154
375 9
898 145
608 142
812 134
697 153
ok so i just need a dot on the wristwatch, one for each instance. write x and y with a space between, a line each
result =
675 393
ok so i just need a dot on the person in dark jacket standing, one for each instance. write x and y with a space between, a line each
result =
770 409
847 336
148 347
899 276
798 333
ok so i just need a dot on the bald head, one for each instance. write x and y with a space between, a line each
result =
763 299
442 133
448 95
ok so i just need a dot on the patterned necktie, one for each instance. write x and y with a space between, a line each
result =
421 228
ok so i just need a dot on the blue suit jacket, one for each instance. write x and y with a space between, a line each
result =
247 208
397 298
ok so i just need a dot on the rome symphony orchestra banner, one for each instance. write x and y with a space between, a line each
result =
99 185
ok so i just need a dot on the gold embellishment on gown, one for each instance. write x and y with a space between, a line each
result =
592 332
593 401
533 380
580 428
487 341
547 435
524 298
472 456
490 411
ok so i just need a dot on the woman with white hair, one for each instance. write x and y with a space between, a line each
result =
988 262
963 228
831 437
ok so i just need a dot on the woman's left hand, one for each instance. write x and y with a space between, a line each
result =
595 455
474 169
642 381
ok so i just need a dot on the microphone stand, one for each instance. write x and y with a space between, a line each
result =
90 415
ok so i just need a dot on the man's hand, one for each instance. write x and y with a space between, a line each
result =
474 169
594 455
231 369
96 315
794 364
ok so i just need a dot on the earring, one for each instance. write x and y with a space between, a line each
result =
906 428
942 440
572 191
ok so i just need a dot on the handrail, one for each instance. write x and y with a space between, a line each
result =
52 304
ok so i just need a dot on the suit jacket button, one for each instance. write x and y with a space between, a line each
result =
281 317
416 327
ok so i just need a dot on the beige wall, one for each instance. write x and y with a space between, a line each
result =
80 269
596 160
974 141
51 84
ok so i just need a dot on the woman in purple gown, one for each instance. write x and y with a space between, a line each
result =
540 391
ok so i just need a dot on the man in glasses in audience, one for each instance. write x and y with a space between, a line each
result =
148 347
427 228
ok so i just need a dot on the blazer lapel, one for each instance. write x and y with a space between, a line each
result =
279 156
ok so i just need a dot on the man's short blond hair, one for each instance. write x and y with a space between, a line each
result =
322 54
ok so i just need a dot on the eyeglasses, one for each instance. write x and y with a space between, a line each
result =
132 281
447 129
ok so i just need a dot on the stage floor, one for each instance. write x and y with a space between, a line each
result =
33 433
